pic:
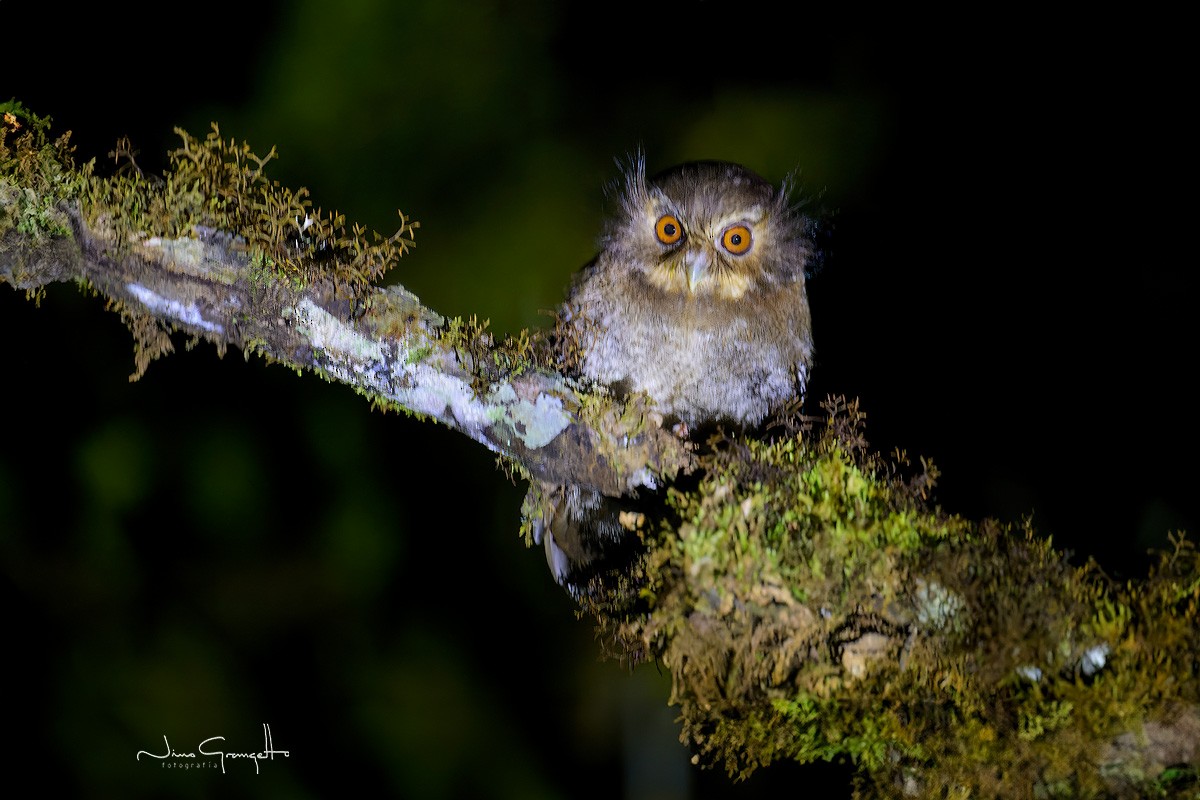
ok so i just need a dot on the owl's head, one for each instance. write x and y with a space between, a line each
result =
708 229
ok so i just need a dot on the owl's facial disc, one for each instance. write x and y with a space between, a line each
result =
704 252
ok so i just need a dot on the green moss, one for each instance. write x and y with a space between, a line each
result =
489 361
811 604
219 184
211 184
36 174
214 190
418 354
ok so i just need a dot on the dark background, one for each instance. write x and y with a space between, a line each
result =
225 544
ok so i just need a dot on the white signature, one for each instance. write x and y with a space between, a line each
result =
209 748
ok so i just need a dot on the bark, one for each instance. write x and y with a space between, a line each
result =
381 341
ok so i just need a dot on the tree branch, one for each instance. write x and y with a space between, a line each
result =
807 600
221 288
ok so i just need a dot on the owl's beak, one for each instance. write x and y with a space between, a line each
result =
696 262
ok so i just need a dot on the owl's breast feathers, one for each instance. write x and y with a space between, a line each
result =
700 362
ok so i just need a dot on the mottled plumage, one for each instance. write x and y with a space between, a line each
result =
697 296
697 299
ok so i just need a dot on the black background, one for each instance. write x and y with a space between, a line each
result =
223 544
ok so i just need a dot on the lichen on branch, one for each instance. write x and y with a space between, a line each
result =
216 250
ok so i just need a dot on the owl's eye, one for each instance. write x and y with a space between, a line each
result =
736 239
668 230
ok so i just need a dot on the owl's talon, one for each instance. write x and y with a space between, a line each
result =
557 559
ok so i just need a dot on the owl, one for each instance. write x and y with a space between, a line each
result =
696 299
697 296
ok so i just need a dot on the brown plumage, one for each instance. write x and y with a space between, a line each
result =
697 299
697 296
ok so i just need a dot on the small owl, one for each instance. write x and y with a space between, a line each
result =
697 299
697 296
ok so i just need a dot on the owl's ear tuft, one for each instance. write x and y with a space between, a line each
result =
633 189
628 195
632 177
813 226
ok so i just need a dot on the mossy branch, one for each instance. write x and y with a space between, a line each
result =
216 251
810 604
805 595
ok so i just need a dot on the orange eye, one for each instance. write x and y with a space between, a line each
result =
668 230
736 239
